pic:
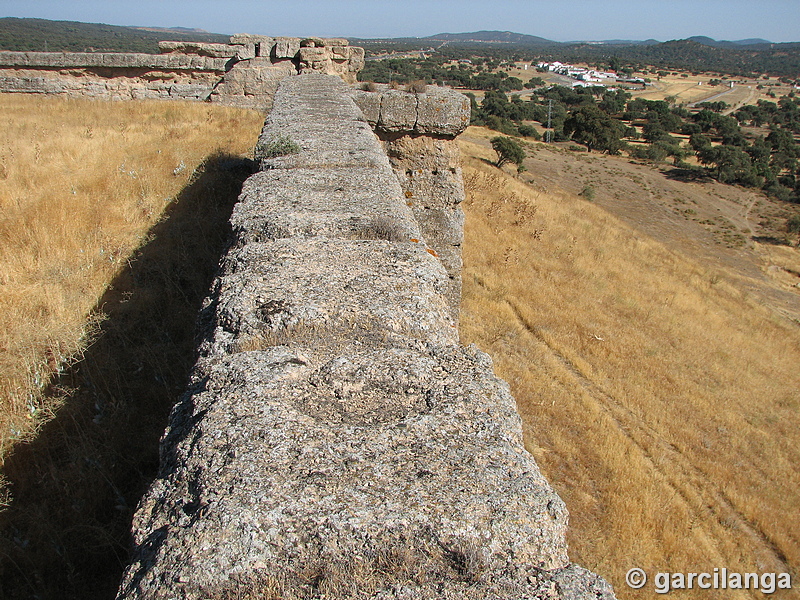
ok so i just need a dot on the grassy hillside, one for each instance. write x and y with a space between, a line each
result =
660 399
112 218
69 36
659 394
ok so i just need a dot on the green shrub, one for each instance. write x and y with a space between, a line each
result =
280 145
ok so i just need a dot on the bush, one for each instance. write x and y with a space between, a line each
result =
529 131
793 224
280 145
587 193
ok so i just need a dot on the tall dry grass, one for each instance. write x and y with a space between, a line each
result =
82 183
661 402
100 292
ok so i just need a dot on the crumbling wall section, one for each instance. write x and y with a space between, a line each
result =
336 440
244 73
418 130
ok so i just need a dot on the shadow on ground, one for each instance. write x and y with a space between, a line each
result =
75 486
688 175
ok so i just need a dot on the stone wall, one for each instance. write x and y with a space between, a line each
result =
418 131
245 72
336 440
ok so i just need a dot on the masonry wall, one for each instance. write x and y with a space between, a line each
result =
245 72
336 440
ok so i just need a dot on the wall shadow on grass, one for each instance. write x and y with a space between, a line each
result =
76 484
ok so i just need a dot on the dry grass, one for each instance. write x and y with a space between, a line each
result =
118 209
662 403
82 183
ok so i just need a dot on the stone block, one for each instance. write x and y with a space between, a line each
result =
370 105
246 52
286 48
398 111
248 38
442 112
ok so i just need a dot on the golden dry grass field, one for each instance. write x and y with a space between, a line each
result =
112 217
661 400
82 184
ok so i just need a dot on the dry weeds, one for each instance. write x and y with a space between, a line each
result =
660 401
82 183
117 209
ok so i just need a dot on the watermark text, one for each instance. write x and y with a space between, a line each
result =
718 579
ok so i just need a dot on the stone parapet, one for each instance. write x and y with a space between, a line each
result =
436 111
110 60
336 440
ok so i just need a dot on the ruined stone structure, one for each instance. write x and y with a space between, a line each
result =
418 131
336 440
245 72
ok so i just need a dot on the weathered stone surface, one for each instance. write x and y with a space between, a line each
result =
246 51
286 48
202 49
437 111
63 60
90 86
429 172
321 147
249 38
355 62
251 83
252 67
347 203
398 111
335 440
370 105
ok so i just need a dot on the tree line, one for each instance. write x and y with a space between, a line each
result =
609 120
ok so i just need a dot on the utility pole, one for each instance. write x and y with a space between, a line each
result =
547 135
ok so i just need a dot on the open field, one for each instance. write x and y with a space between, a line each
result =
646 336
112 217
82 184
658 395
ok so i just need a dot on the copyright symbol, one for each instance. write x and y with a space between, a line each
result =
636 578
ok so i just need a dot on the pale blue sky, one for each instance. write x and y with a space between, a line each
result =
776 20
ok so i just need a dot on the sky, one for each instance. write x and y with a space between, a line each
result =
565 20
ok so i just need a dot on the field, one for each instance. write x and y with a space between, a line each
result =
659 389
111 220
649 336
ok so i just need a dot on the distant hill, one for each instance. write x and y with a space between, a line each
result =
189 30
738 44
496 37
71 36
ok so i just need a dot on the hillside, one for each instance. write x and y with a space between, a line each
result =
657 384
41 35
